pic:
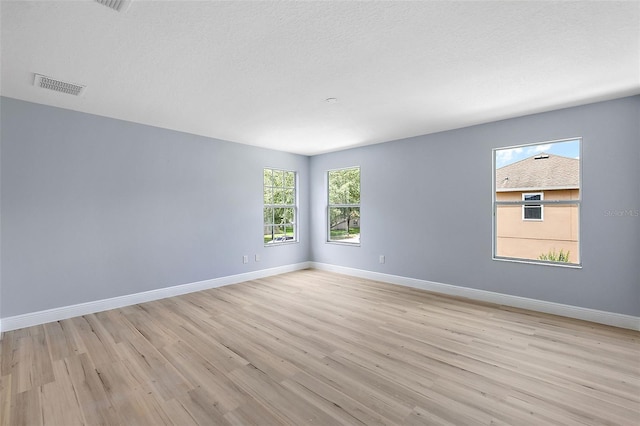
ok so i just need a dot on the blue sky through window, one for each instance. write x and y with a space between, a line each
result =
506 156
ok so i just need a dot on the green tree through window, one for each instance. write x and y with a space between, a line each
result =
344 205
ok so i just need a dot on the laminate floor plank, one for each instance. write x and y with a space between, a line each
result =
149 367
349 408
96 407
6 395
60 404
203 374
26 408
57 343
253 413
289 406
202 408
178 414
315 347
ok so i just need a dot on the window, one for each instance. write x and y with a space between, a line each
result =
280 207
536 202
532 211
343 213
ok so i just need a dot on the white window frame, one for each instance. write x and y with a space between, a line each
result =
294 206
532 204
342 205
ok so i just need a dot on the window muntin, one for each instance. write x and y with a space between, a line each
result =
536 202
532 211
343 211
280 209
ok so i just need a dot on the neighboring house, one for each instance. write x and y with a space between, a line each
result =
529 230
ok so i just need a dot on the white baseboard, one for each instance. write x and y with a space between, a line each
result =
593 315
57 314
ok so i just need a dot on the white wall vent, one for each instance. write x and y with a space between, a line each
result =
117 5
58 85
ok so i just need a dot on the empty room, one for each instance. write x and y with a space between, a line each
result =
319 212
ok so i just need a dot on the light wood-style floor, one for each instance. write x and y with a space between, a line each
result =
318 348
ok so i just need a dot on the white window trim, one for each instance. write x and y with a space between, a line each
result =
532 204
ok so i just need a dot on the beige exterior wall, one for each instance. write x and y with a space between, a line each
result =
528 239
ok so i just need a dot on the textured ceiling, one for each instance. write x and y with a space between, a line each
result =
259 72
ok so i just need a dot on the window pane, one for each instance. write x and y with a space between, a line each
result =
289 232
268 177
344 224
533 212
268 195
278 196
354 188
538 167
278 215
289 179
344 186
269 234
278 178
289 196
268 215
537 173
344 210
291 229
336 193
533 240
288 215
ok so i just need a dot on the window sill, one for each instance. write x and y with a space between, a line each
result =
339 243
282 243
539 262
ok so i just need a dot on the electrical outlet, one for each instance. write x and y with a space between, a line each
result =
245 259
381 259
257 258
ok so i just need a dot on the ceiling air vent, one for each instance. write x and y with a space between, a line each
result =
117 5
58 85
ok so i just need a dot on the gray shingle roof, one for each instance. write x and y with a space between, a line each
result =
541 171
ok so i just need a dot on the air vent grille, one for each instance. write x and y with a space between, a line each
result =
117 5
58 85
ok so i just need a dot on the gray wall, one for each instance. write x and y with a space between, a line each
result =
426 206
94 208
